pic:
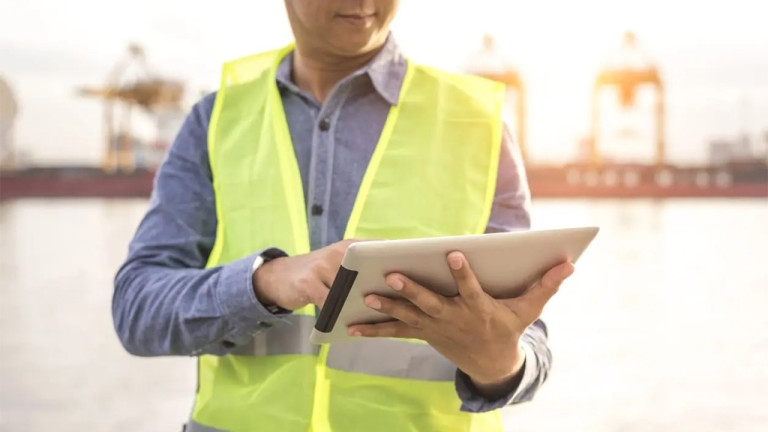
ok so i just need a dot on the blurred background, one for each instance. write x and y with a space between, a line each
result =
649 119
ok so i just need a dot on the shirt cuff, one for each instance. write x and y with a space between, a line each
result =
530 372
237 298
473 402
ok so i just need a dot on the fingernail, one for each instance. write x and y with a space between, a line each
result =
373 302
455 261
354 332
396 284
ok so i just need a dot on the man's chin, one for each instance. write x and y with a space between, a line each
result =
351 48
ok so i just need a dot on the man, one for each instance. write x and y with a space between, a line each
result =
380 148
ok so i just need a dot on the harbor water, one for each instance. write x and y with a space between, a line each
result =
663 327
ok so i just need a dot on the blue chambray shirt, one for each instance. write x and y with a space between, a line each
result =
166 303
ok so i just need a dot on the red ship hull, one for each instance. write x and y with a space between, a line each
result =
77 182
747 190
737 180
546 181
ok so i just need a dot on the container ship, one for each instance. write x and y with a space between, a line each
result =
732 180
128 169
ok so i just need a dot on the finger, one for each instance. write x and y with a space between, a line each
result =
539 294
469 287
327 273
332 260
342 245
394 329
333 255
317 294
401 310
429 302
557 274
357 240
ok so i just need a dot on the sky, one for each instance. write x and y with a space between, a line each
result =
713 57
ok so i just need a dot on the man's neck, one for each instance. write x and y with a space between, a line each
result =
317 73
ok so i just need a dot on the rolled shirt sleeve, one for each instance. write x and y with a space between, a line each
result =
511 212
522 389
165 302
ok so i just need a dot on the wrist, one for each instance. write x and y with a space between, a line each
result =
502 378
261 276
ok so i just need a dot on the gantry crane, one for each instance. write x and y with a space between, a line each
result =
146 91
488 63
630 69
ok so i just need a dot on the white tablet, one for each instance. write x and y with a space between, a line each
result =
505 265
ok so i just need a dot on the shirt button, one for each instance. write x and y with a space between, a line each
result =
228 344
324 125
317 210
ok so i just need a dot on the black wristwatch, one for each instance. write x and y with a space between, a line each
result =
263 258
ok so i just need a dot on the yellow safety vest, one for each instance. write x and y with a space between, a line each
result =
433 173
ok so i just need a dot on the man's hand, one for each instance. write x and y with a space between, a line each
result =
477 333
294 282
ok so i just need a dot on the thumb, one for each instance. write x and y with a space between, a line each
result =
537 296
318 294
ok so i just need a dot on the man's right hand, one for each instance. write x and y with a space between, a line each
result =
294 282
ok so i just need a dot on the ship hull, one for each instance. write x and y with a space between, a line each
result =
547 190
74 183
545 181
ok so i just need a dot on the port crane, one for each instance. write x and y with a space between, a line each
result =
629 69
489 63
121 95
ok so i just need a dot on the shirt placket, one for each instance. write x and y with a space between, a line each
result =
321 165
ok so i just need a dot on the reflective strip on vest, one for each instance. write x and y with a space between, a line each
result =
382 357
290 337
391 358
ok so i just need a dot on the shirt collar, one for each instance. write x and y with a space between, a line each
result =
386 71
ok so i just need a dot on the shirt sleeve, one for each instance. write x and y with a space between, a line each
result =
165 302
511 212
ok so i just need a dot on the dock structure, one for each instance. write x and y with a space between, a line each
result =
627 70
733 170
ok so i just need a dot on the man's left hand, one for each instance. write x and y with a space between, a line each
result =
477 333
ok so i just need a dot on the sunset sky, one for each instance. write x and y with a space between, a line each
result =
713 57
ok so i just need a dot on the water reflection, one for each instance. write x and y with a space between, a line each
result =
661 328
